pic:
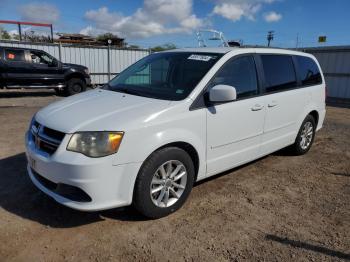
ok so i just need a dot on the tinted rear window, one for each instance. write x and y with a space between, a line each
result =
309 72
279 72
14 55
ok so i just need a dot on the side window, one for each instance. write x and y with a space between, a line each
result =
42 58
240 73
279 72
14 55
309 72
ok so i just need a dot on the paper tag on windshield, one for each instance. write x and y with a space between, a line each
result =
200 57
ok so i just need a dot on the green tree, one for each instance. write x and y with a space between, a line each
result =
16 37
116 40
105 37
164 47
134 47
4 34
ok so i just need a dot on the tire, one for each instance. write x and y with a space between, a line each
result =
301 146
151 178
75 86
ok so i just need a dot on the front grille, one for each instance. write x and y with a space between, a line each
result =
45 139
53 133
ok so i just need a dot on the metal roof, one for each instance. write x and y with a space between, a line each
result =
321 49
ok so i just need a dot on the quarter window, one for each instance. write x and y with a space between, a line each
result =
309 72
240 73
14 55
279 72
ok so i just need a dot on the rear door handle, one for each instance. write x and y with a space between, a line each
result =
257 107
272 104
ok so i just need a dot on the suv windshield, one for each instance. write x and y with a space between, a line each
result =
168 75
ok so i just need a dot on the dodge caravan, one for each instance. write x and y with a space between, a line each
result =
171 119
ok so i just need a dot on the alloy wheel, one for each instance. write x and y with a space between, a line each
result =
306 135
168 183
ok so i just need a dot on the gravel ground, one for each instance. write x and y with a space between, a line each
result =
279 208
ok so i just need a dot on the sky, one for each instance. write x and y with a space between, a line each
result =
155 22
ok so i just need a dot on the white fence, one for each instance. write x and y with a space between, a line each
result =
95 58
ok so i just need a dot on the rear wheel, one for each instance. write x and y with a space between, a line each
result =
164 182
305 136
75 86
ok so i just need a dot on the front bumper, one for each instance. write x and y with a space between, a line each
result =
107 185
88 81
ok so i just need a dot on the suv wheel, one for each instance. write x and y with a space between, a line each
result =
75 86
164 182
305 136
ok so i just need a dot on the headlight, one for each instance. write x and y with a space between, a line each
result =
86 71
95 144
31 122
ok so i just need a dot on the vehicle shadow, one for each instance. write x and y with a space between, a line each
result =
26 93
284 152
232 170
307 246
19 196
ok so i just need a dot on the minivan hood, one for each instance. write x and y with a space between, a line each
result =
98 110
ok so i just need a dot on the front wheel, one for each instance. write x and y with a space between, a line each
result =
164 182
75 86
305 136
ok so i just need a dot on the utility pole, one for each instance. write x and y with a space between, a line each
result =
270 36
297 41
109 59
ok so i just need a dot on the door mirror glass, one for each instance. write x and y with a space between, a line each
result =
222 93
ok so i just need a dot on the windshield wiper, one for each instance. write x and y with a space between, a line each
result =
106 86
127 91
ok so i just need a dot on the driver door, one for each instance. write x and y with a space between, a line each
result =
234 129
45 68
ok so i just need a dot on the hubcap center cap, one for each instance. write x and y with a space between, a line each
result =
168 183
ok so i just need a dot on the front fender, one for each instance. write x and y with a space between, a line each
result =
137 145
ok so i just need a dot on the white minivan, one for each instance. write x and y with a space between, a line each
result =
171 119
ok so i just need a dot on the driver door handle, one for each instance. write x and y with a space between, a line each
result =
257 107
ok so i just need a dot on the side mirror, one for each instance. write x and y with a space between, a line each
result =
222 93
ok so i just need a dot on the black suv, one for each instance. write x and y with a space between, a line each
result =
30 68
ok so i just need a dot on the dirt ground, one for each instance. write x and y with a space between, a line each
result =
279 208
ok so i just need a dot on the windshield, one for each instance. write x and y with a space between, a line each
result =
168 75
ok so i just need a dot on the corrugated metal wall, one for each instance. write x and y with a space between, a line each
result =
95 58
335 64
